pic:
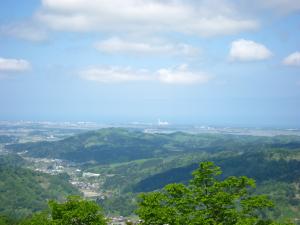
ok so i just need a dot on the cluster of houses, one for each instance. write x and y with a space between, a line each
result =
120 220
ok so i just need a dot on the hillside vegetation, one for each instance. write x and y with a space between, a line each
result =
130 162
23 191
115 145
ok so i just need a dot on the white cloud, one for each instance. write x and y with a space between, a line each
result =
202 18
179 75
182 75
292 60
27 31
13 65
247 50
114 75
144 16
118 45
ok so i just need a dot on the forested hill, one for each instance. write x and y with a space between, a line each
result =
131 161
24 191
113 145
261 166
277 173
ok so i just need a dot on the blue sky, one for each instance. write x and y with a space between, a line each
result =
214 62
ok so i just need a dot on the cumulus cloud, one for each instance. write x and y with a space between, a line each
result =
247 50
292 60
118 45
201 18
182 75
143 16
178 75
13 65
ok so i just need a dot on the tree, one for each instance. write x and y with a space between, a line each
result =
205 201
4 220
75 211
41 218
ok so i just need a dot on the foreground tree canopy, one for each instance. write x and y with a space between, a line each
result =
74 211
205 201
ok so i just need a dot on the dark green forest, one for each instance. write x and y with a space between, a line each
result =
258 165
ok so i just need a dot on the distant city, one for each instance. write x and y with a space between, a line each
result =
45 130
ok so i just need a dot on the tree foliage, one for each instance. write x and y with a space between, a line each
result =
4 220
75 211
23 191
205 201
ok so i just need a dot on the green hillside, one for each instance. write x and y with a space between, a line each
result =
130 161
257 165
23 191
277 175
114 145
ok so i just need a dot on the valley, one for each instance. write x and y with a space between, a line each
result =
113 165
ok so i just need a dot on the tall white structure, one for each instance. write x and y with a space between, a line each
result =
162 123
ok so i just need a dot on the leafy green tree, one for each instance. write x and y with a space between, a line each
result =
75 211
4 220
205 201
42 218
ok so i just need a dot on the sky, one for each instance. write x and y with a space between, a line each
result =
208 62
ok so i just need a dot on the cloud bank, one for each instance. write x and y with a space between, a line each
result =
143 16
204 18
178 75
118 45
